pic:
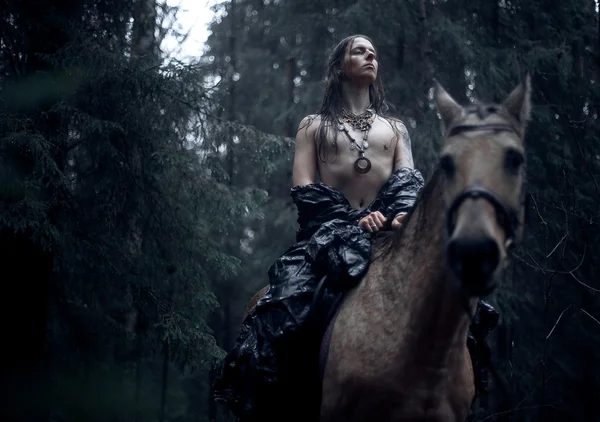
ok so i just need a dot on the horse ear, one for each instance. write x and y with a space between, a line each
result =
448 108
518 103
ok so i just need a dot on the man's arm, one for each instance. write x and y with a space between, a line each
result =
403 151
402 158
305 154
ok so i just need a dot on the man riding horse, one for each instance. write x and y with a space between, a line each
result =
367 184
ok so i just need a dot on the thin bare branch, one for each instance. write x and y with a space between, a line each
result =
583 284
535 262
580 262
548 270
528 264
537 209
588 219
557 245
518 406
588 314
558 320
493 415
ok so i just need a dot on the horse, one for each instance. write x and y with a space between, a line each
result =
398 347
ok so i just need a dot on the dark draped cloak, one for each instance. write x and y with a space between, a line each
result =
277 348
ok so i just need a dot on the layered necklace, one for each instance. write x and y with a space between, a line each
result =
361 122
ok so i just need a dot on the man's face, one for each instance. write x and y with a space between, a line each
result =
360 61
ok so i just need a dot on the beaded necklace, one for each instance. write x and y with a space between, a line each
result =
362 122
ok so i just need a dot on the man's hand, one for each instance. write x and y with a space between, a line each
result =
373 222
397 222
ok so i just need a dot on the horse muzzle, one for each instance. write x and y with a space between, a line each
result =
474 262
473 252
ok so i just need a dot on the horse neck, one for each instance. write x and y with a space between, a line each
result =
423 293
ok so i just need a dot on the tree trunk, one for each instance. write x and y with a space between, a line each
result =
424 52
165 382
215 322
217 319
27 268
144 25
291 74
138 377
232 90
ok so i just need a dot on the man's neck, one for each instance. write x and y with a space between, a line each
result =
356 98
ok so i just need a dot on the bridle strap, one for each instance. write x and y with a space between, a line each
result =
506 220
510 223
505 127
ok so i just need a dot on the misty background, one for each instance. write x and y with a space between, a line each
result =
145 165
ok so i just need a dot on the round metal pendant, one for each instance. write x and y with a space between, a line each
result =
362 165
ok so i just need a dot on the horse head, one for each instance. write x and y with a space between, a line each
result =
482 164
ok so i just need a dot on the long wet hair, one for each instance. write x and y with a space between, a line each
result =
333 102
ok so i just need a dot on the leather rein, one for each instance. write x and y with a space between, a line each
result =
507 218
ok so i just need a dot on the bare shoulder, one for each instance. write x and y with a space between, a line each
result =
305 156
404 156
309 124
396 125
399 125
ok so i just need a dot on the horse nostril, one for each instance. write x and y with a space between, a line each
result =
474 261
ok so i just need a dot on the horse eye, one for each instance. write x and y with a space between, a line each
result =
447 165
513 159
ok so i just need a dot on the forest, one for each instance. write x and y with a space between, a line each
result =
144 198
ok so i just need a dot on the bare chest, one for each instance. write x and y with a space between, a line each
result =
346 155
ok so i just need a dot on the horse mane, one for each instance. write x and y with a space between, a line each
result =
386 241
